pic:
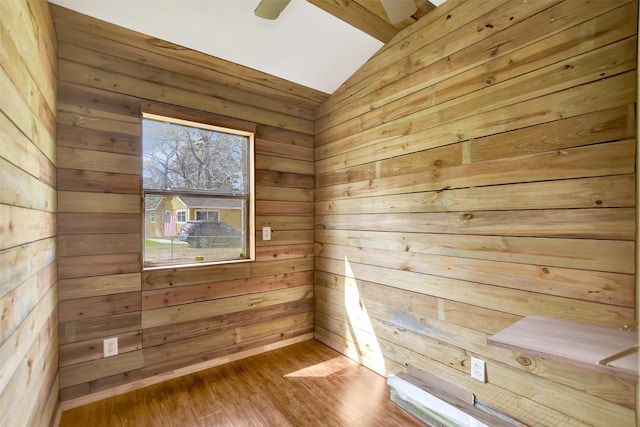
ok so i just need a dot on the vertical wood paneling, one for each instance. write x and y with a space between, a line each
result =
470 177
170 319
28 282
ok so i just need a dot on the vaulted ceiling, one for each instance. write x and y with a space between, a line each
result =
315 43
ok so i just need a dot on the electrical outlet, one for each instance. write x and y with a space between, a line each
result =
110 347
477 369
266 233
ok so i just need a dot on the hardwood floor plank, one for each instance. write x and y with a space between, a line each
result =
303 384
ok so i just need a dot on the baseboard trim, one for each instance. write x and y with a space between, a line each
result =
125 388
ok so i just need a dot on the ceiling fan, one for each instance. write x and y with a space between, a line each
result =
397 10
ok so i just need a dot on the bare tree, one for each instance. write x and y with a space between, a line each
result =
178 157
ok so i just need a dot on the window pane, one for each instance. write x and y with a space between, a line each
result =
179 157
198 240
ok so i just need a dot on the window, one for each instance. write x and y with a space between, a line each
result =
152 217
201 176
208 215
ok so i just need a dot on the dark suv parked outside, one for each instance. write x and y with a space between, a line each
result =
201 233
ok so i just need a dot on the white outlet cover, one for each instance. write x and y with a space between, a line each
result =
478 369
110 347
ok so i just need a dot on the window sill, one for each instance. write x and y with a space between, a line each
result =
195 264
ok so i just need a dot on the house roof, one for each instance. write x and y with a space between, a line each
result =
151 203
210 203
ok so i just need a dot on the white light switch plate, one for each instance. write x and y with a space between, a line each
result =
266 233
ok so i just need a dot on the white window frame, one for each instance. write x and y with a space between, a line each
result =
152 217
182 211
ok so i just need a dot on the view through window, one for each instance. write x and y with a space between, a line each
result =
198 201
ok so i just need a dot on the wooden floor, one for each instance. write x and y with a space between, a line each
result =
306 384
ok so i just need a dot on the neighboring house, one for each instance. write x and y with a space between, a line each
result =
188 208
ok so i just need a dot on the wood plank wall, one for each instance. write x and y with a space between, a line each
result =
28 284
169 319
480 168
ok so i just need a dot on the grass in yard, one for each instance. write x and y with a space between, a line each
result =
161 252
149 243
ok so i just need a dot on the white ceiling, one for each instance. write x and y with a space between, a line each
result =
304 45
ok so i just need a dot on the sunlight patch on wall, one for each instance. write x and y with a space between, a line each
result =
360 335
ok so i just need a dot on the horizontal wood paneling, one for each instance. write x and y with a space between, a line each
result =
111 142
171 278
98 265
421 315
179 331
84 351
608 223
201 292
559 76
500 35
599 255
616 158
169 315
98 223
562 194
21 226
29 392
135 47
264 253
104 367
479 169
84 287
208 346
99 327
87 308
196 93
107 77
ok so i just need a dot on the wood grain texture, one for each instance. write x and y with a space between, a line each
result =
29 391
175 314
397 310
209 324
201 292
360 17
107 77
614 223
592 346
177 59
466 177
479 169
277 388
71 354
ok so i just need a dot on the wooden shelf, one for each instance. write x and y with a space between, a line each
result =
596 347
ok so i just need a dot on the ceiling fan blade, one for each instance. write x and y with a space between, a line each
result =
270 9
399 10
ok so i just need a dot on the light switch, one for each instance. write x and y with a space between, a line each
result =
266 233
